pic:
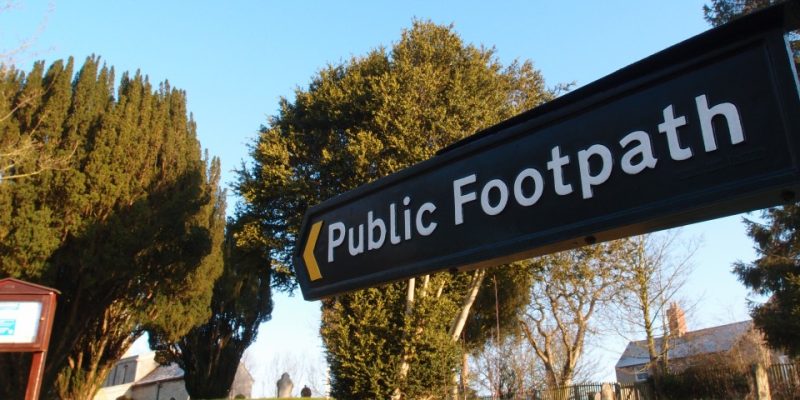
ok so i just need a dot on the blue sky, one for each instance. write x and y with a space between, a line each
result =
236 59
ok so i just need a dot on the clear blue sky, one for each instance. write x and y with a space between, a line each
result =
235 59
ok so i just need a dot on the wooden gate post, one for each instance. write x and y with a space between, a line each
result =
762 382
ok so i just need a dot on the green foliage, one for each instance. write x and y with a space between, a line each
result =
776 273
363 336
504 292
723 11
568 289
372 116
129 230
356 122
361 331
210 353
359 121
707 381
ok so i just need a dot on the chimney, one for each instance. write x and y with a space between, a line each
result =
677 320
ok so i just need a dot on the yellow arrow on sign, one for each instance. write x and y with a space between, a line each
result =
308 252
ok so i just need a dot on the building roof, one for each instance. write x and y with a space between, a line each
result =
703 341
160 374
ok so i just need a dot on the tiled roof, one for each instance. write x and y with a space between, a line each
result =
704 341
162 373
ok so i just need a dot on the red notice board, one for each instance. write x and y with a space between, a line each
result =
26 315
26 320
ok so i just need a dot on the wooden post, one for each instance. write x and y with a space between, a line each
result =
35 376
762 382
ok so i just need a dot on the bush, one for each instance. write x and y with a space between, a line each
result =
706 382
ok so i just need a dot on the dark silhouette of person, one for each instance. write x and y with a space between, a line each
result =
305 392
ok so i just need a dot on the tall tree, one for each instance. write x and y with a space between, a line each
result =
776 273
126 231
568 290
22 155
656 270
493 320
359 121
210 353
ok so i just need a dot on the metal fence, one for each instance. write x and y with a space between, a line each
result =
590 391
784 383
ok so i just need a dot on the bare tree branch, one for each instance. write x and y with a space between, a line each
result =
570 288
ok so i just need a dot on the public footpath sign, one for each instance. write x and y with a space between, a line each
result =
706 128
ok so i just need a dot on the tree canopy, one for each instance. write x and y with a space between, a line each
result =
569 288
211 352
371 116
776 273
722 11
128 230
356 122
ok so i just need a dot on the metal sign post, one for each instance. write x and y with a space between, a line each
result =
26 320
706 128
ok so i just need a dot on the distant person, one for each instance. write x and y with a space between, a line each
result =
305 392
285 386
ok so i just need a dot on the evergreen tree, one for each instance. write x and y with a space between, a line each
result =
776 273
356 122
210 353
129 230
723 11
368 333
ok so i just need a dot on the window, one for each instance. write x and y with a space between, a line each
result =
642 376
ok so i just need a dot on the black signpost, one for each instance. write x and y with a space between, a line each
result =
704 129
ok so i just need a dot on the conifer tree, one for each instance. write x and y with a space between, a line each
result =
356 122
129 230
723 11
776 273
210 353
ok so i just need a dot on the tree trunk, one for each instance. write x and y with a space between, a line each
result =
402 371
466 305
550 377
464 372
461 319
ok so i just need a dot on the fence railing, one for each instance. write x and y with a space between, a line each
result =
784 381
590 391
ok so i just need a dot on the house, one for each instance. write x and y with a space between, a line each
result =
140 377
738 341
